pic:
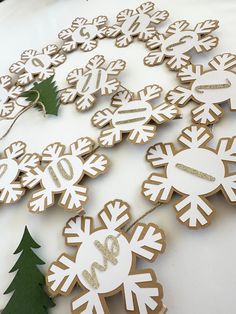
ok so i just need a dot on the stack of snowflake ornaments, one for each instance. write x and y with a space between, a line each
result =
106 257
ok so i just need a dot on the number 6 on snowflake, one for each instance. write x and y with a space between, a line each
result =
60 173
195 172
105 263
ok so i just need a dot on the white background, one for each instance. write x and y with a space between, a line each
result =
198 269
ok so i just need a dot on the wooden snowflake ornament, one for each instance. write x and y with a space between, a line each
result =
133 116
61 173
40 65
92 79
13 162
178 41
195 172
83 34
8 93
105 263
209 88
139 22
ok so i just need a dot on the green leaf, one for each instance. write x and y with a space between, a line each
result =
46 94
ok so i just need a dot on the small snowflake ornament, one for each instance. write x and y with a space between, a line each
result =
40 65
61 173
83 34
139 22
8 93
105 263
195 172
133 116
178 41
13 162
92 79
209 88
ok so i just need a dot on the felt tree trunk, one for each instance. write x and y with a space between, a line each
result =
29 295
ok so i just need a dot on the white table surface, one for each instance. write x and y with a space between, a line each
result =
198 268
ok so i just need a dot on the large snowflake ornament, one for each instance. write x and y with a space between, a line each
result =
105 263
40 65
83 34
61 173
92 79
8 93
139 22
178 41
13 162
133 116
209 88
195 172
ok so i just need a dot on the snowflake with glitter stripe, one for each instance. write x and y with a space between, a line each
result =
61 172
209 88
133 115
37 65
195 172
105 263
136 23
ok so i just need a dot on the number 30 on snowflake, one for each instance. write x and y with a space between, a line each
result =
105 263
195 172
60 173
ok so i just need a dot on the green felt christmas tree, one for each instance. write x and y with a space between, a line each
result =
28 286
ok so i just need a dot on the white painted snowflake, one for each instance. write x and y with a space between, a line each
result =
178 41
13 162
91 80
40 65
83 34
61 172
195 172
139 22
133 116
105 263
209 88
8 93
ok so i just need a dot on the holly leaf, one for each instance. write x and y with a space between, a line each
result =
45 94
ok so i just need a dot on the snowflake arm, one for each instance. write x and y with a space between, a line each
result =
142 134
150 92
15 150
190 73
50 49
68 95
147 241
78 229
177 27
179 96
164 112
53 151
115 67
146 296
207 113
226 61
120 98
226 149
206 27
160 154
90 302
229 188
95 165
195 212
62 275
5 81
28 162
11 193
159 17
157 188
156 41
102 118
115 214
32 177
109 137
73 198
17 67
206 43
74 76
195 136
95 62
40 200
82 146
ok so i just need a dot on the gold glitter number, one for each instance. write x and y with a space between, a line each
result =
182 41
37 62
66 175
109 255
196 172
